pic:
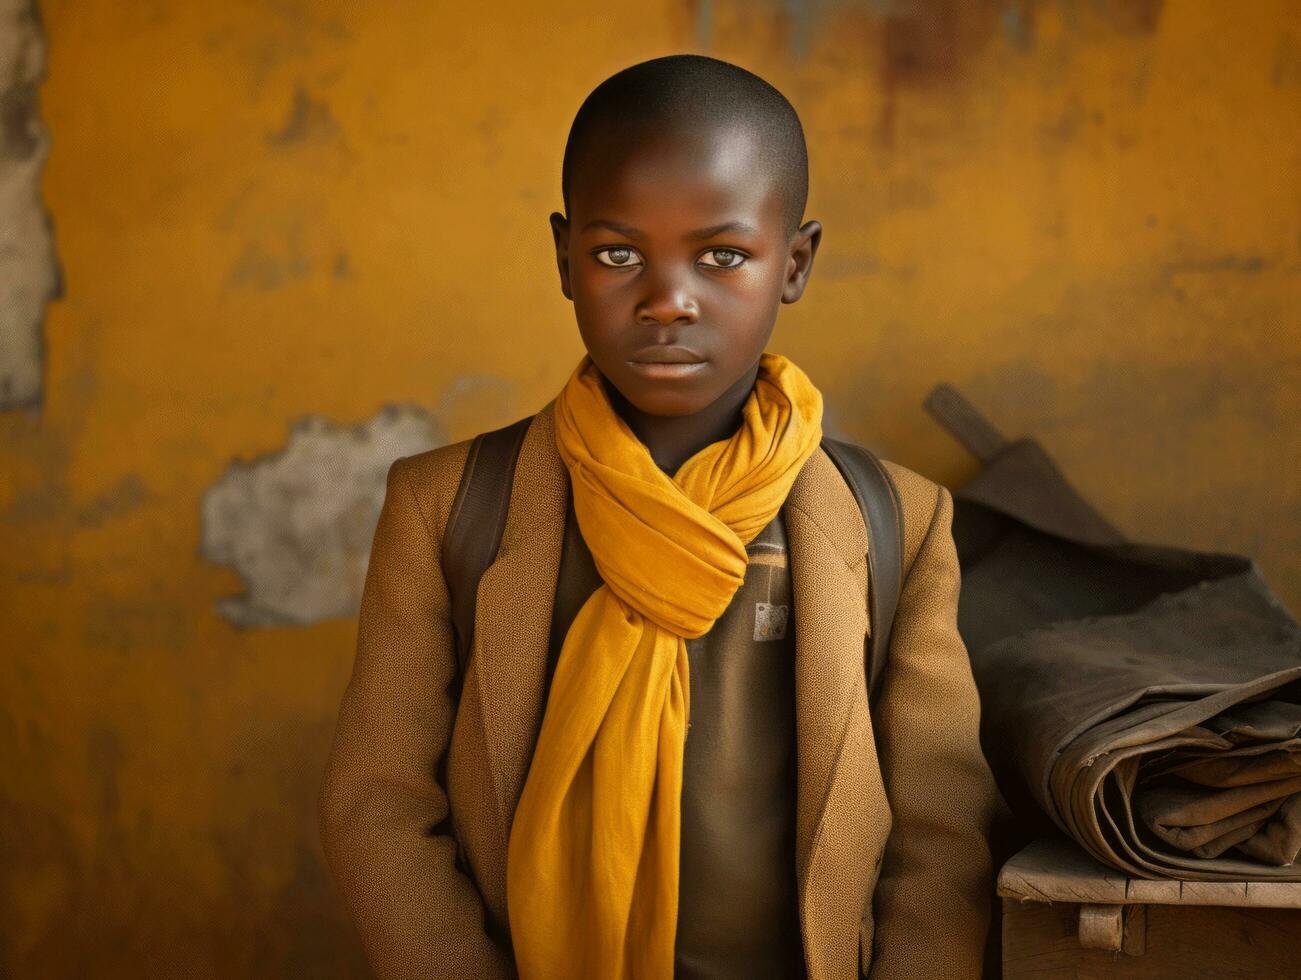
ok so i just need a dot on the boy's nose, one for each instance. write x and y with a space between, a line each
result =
667 300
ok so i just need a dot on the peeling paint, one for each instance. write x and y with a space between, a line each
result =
297 525
17 110
29 272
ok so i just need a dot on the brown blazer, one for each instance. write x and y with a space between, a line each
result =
891 855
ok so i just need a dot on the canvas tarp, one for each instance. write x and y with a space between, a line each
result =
1146 699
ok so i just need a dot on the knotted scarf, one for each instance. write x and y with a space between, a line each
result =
592 861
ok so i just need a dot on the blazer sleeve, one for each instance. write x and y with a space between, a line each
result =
931 904
381 803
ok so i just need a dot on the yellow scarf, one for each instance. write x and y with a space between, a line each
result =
592 862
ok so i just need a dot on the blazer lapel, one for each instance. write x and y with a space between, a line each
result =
513 615
841 813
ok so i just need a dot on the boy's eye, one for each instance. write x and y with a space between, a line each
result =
618 256
723 258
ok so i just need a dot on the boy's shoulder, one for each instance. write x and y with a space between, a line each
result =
435 474
431 477
437 466
918 494
921 500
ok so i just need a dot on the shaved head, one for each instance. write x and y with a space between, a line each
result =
688 93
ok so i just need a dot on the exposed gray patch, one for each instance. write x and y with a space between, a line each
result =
297 525
17 109
29 272
308 121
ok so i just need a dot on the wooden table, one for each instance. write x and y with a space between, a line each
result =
1066 915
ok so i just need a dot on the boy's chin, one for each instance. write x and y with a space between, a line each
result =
666 404
667 399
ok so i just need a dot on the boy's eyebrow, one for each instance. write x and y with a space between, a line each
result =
713 230
625 230
700 233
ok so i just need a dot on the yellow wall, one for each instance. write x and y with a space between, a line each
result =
1084 214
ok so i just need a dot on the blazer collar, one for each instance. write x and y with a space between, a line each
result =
827 547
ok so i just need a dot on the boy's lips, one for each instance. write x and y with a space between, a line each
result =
666 362
665 371
666 354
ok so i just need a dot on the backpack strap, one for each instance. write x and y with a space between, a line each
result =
878 499
476 522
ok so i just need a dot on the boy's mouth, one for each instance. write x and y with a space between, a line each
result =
666 372
661 354
666 362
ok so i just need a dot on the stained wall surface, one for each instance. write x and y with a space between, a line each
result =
299 239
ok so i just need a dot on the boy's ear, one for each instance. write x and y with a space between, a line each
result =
560 234
800 264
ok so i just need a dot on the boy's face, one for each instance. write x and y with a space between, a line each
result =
676 256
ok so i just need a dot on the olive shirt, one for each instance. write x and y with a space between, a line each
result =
738 911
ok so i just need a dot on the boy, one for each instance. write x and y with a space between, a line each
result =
677 550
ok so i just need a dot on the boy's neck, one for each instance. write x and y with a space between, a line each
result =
672 440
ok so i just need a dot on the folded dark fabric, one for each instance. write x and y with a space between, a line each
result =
1146 699
1247 796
